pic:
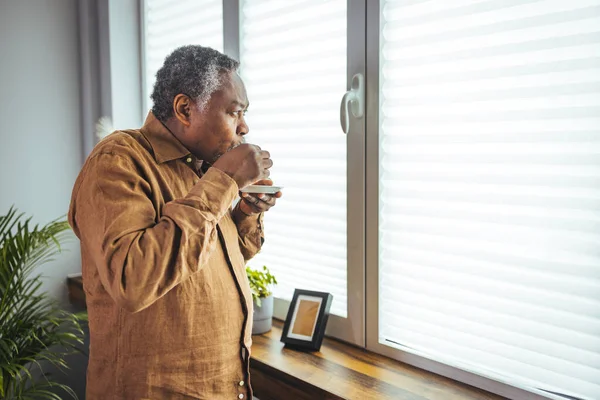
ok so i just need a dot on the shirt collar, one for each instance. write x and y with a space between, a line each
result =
165 146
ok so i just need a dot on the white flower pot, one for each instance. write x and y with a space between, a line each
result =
263 316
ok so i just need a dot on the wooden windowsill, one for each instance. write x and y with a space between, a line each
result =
338 371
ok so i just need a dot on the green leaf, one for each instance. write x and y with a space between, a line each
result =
260 283
34 328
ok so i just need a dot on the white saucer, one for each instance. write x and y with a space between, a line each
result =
261 189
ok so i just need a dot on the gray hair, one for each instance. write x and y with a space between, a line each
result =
191 70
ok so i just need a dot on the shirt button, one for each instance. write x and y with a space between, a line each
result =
241 396
188 160
241 383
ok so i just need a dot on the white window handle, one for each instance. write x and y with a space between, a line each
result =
353 102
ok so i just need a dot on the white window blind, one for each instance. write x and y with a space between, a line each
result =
169 24
293 56
490 188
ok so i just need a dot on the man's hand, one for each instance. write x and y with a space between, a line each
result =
251 203
245 164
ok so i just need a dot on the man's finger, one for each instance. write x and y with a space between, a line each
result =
270 201
252 204
265 154
258 197
250 199
264 182
261 201
267 163
265 198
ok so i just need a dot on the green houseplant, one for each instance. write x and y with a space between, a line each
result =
35 333
261 281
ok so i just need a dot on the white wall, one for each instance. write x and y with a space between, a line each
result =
40 141
62 65
125 64
110 65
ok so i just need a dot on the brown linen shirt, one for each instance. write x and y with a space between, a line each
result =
163 264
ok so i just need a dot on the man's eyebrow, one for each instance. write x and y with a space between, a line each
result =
243 105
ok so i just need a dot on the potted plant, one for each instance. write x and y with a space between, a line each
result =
35 332
260 282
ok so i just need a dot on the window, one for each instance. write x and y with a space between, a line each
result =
289 77
489 196
294 62
457 222
169 24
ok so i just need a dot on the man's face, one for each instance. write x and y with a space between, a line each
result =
220 126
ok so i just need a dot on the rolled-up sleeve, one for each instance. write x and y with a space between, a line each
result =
140 256
250 233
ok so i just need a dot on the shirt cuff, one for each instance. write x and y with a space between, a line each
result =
249 223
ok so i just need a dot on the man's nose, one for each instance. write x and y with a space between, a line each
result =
242 128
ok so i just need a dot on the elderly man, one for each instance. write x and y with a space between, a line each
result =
163 251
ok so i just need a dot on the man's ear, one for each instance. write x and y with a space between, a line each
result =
182 109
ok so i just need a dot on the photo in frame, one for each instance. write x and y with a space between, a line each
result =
306 320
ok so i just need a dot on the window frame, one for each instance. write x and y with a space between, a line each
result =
352 328
373 90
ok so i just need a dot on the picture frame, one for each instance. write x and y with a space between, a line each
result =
304 327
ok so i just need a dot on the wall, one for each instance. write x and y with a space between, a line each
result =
63 64
110 66
125 64
40 141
